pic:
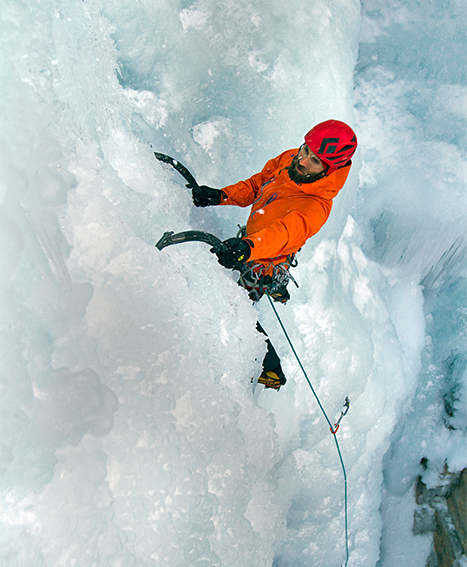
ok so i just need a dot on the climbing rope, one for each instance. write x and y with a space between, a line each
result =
332 428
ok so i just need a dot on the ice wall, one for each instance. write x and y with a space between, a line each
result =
131 433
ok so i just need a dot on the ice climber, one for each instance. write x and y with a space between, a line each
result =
290 199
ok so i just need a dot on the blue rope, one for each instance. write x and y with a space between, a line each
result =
333 430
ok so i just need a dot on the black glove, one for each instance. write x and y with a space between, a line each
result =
204 196
234 253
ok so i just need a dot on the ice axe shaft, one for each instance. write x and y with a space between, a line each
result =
169 238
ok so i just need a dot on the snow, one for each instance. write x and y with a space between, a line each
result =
131 431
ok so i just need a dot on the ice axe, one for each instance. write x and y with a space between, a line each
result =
169 238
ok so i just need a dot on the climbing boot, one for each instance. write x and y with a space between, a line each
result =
272 379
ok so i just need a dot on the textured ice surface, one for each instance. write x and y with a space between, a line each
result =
131 433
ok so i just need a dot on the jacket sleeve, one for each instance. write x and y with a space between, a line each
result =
289 234
244 193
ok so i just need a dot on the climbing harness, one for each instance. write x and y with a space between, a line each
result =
333 429
258 278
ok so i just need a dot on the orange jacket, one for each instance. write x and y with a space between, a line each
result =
284 214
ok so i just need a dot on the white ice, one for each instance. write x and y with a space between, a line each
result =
131 432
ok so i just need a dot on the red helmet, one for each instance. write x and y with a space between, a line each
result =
333 142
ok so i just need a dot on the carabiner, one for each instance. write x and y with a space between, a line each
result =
343 412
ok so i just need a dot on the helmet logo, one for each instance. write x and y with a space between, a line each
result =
323 148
